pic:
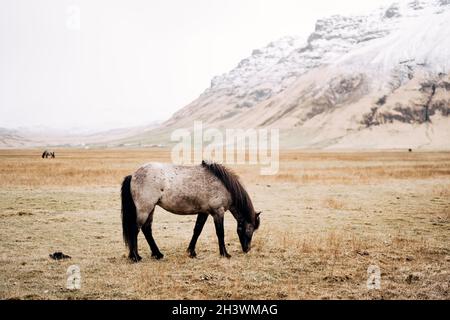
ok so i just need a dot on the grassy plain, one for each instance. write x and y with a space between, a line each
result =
326 218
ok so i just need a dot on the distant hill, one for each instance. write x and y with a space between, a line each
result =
12 139
41 137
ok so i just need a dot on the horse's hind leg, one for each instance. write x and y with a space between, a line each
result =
134 255
147 230
201 219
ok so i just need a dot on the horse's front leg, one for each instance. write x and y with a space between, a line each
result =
201 220
218 222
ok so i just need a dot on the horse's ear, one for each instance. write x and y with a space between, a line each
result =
257 221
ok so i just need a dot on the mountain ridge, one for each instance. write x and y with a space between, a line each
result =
379 69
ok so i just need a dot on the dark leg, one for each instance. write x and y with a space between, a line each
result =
133 255
147 230
201 219
218 221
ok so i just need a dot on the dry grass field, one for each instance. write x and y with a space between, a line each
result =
326 218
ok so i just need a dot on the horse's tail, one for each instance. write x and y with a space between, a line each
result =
129 225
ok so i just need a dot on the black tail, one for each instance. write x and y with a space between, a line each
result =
129 225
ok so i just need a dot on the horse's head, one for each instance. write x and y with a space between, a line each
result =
245 231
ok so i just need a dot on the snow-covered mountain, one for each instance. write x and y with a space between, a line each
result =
375 80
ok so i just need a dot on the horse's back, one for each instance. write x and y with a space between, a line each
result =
178 189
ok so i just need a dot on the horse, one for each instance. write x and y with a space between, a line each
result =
47 154
205 189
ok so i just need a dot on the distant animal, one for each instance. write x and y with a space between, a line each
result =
59 256
48 154
202 190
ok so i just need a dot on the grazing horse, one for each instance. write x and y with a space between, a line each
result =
202 190
48 154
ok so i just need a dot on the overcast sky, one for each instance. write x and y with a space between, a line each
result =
107 63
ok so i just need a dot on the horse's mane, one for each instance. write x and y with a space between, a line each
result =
241 199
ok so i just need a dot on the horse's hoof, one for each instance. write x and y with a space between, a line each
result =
135 258
158 256
226 255
192 254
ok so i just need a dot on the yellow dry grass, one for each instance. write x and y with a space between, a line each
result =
326 218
